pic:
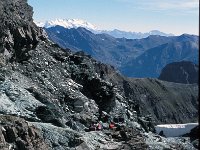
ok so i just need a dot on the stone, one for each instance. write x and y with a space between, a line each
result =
82 146
78 105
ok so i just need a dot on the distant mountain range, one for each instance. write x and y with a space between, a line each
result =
144 57
75 23
151 62
103 47
134 35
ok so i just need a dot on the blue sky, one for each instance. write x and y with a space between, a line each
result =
170 16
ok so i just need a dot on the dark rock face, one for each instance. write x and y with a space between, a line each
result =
193 133
56 95
194 137
180 72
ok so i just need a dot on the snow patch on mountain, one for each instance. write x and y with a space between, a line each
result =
175 130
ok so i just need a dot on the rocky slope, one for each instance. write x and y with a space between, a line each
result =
180 72
50 96
165 102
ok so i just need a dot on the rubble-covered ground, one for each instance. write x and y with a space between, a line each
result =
49 97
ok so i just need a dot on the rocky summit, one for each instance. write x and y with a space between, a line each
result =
51 98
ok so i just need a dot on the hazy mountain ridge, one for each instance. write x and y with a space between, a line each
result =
134 35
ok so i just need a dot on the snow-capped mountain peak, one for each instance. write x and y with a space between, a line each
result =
75 23
67 23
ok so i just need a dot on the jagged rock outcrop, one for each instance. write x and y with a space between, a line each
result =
180 72
58 94
18 32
